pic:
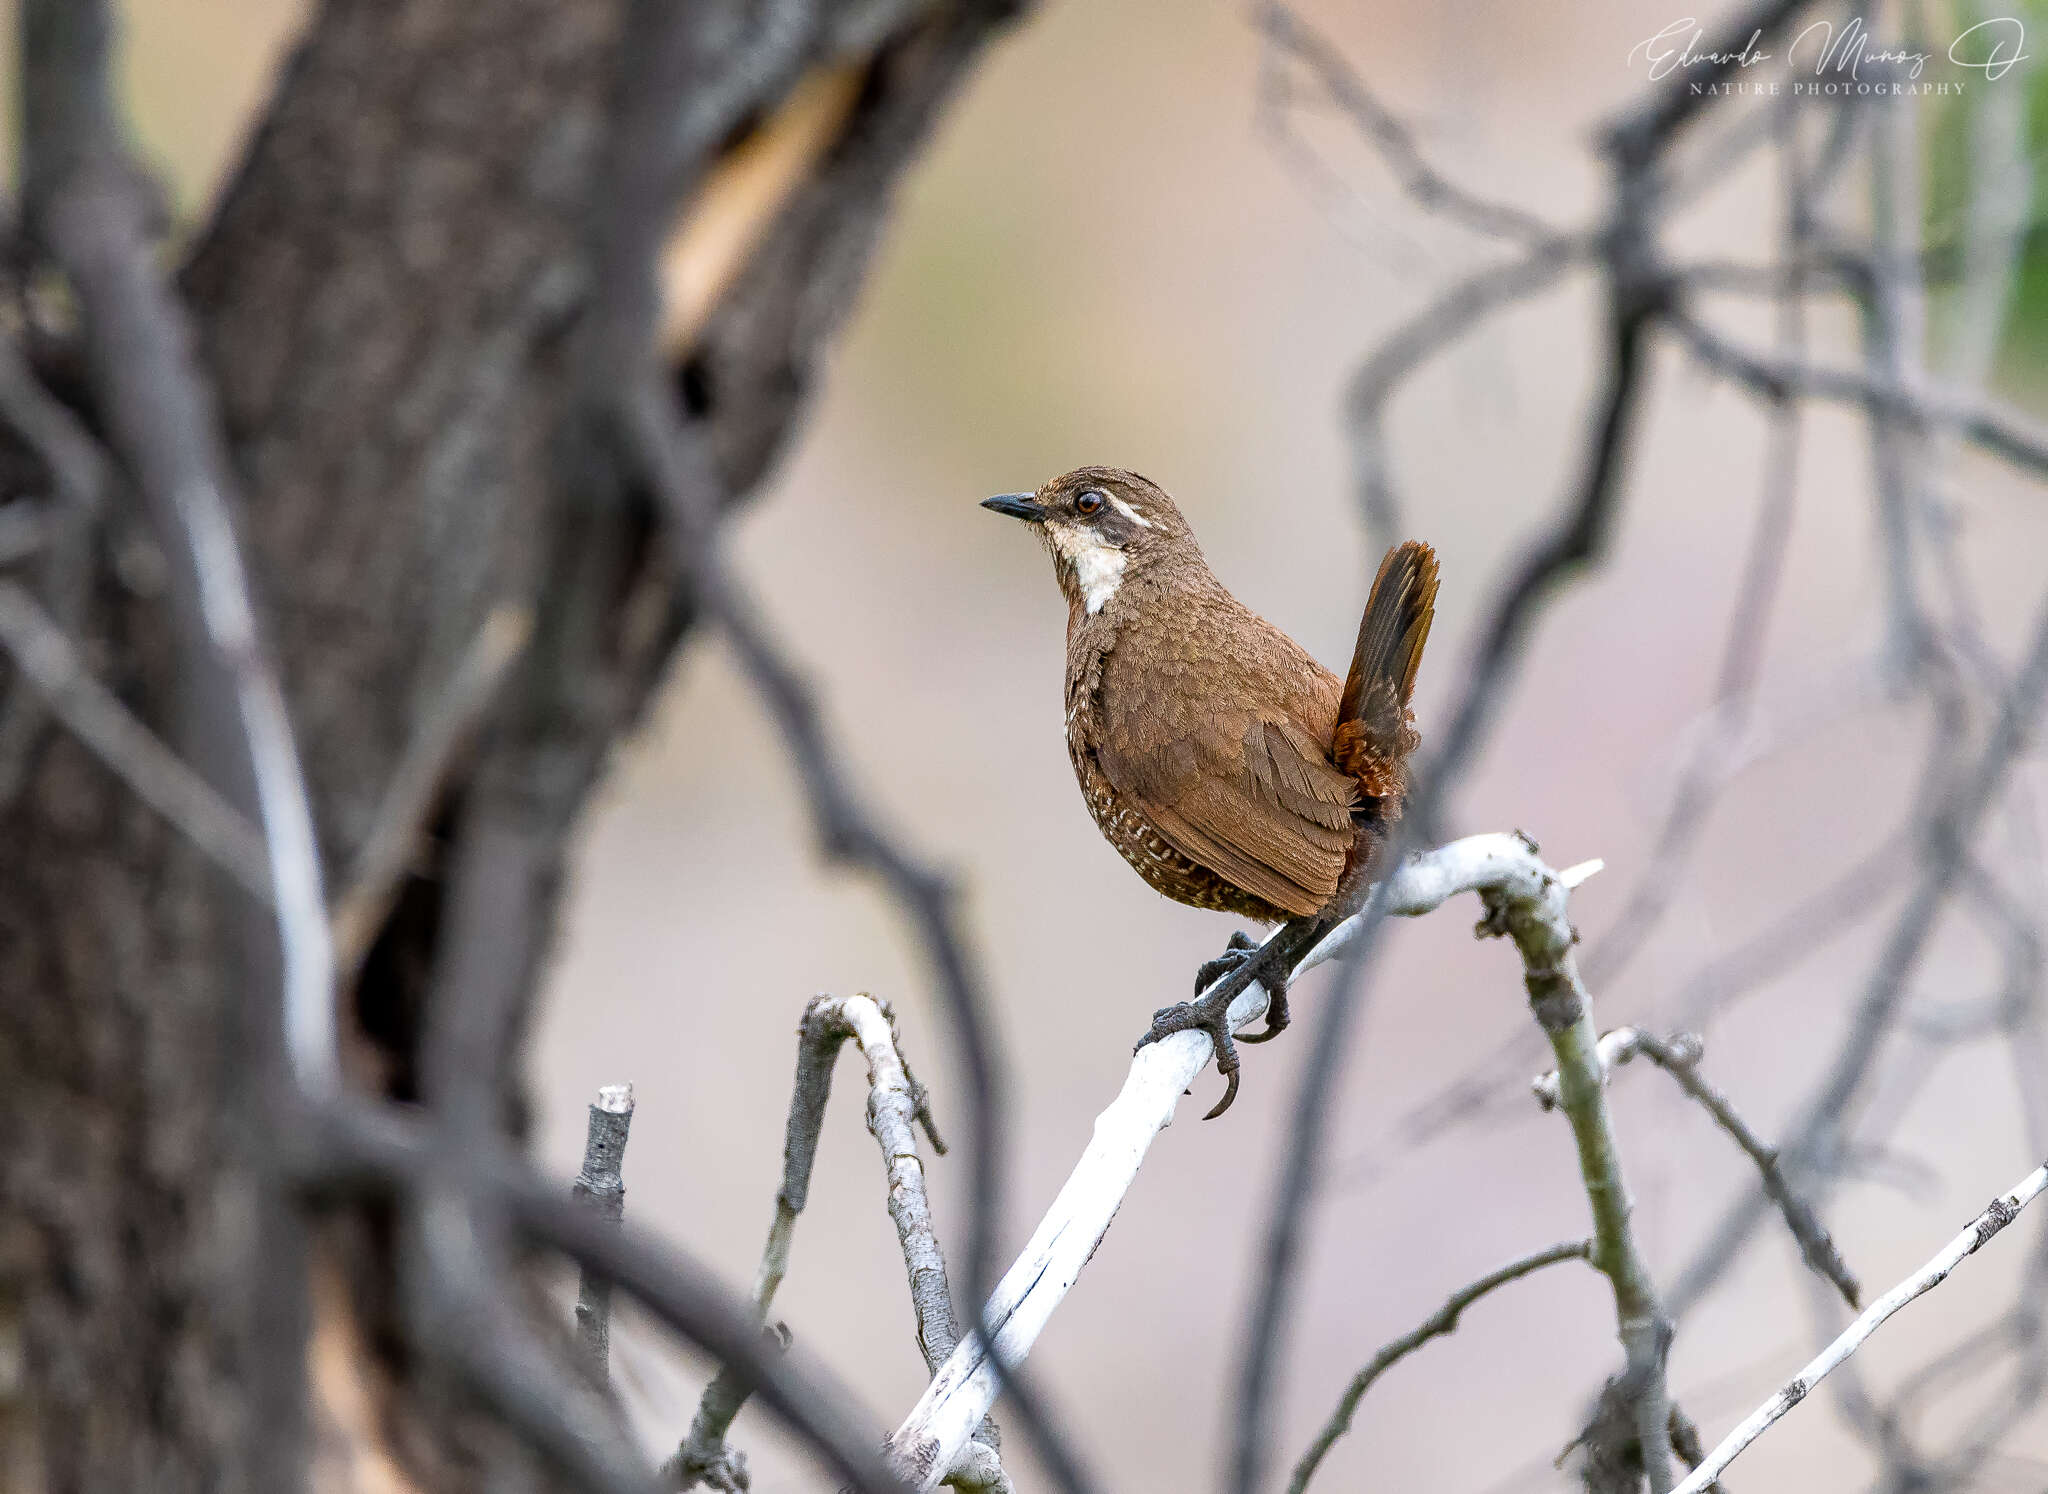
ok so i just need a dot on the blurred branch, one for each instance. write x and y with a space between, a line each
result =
55 534
688 78
462 1317
1443 1321
1941 847
964 1388
85 203
422 771
49 661
24 529
77 462
345 1148
1894 325
1452 312
1983 423
740 196
2001 1212
1435 193
603 1189
1713 750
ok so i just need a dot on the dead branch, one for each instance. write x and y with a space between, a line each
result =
2001 1212
897 1104
1437 1325
601 1187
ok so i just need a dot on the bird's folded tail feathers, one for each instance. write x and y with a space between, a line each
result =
1374 730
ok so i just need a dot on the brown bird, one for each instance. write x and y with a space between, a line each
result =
1228 767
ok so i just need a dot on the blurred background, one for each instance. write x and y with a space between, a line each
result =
1105 259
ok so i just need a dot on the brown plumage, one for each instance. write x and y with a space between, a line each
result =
1228 767
1223 762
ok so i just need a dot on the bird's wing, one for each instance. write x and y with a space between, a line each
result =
1237 782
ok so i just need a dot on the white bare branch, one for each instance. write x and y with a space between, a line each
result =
1617 1046
602 1186
2001 1212
931 1438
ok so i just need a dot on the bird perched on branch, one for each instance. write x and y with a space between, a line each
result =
1229 768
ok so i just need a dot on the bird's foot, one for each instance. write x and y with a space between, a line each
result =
1234 954
1210 1013
1208 1016
1242 948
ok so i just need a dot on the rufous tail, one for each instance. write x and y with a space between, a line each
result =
1375 733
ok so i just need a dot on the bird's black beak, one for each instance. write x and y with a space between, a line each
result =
1017 505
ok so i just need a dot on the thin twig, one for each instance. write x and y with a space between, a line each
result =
601 1186
1679 1057
1681 1061
1430 188
1429 331
1983 423
1616 1047
1699 783
462 1317
1438 1324
136 755
2001 1212
896 1104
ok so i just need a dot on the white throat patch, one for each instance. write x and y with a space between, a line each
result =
1099 571
1098 568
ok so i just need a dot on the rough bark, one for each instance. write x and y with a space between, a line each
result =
384 298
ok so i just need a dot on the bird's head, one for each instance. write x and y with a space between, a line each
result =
1101 525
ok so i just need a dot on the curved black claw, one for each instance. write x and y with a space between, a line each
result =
1205 1017
1235 953
1276 1016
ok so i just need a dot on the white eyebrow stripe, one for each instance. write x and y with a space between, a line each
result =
1130 513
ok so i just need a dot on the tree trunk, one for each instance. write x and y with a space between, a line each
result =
385 299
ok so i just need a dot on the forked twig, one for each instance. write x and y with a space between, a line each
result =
896 1106
1679 1057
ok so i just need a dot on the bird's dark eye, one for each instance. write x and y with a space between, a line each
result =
1089 503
